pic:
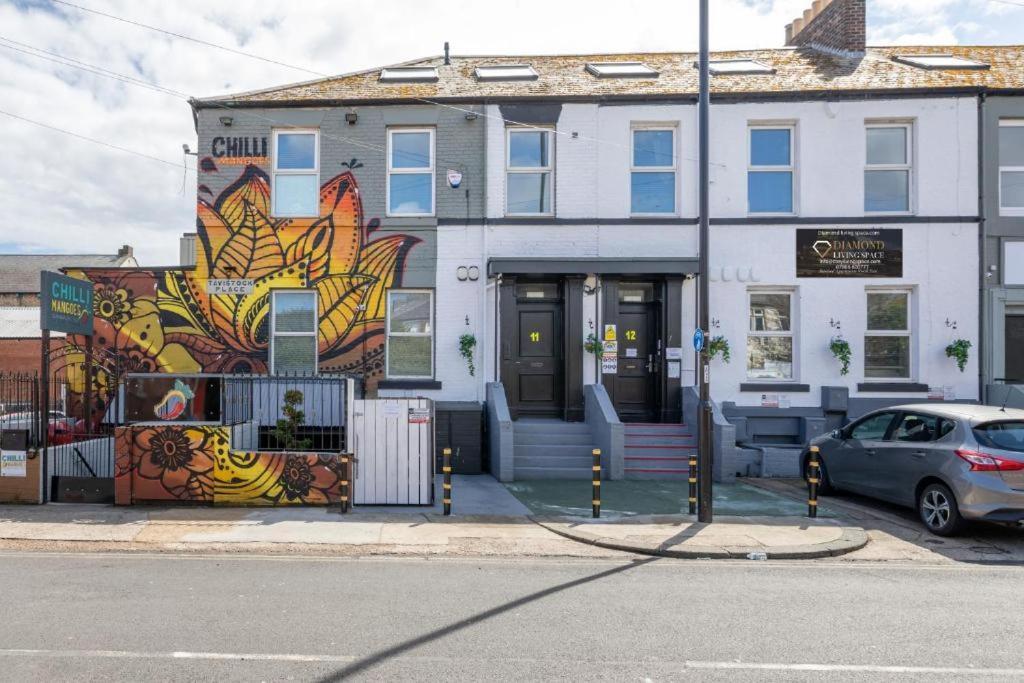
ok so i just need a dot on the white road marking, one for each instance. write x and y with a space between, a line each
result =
689 665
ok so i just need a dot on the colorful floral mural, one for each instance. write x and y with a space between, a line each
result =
165 321
178 463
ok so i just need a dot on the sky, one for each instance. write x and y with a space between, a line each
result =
62 194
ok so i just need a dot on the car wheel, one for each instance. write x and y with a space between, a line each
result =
825 487
939 512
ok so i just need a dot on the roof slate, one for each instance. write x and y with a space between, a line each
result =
19 273
797 70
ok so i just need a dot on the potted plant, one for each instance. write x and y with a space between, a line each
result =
467 343
719 345
840 348
286 432
959 349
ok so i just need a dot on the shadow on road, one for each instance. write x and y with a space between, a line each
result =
384 655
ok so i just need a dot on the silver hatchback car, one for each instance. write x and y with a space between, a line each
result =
952 462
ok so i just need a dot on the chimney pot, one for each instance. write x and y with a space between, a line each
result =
447 57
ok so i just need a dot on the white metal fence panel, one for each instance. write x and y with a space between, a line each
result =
94 457
393 441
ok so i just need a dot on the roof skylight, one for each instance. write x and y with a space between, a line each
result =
940 62
408 74
505 72
621 70
725 67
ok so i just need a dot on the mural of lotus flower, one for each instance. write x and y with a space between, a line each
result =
165 321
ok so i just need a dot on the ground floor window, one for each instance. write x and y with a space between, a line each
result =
887 341
770 335
293 333
410 340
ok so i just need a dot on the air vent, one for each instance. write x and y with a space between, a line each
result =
939 62
506 72
408 74
621 70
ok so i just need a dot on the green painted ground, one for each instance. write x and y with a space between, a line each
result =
631 498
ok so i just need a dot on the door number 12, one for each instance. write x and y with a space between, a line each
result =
631 335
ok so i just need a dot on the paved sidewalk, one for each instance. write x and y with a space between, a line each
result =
771 538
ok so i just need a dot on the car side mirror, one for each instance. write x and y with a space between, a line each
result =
838 434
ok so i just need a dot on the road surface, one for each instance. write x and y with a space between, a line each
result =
116 616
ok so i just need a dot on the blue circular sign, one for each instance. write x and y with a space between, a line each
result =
698 340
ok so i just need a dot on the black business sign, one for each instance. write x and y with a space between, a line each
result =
855 252
65 304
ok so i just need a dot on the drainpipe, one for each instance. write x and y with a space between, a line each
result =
982 245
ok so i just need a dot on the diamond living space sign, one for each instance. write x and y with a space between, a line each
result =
65 304
855 252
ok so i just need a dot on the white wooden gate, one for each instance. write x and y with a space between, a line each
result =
393 441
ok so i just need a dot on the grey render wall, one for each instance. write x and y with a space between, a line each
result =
998 230
361 149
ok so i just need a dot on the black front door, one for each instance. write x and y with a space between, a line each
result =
533 351
639 354
1014 348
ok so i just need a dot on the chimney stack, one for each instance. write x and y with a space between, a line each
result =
835 26
447 57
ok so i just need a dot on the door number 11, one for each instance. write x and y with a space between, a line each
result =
535 337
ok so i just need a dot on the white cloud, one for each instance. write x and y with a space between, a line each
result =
60 193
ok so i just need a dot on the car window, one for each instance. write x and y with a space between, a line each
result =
916 428
946 426
1007 435
872 428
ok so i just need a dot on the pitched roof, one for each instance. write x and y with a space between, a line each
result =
19 273
796 70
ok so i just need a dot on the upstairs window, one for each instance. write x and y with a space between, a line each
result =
1011 167
887 177
408 74
506 72
653 171
411 172
736 67
887 342
529 172
621 70
296 182
771 170
940 62
410 342
293 333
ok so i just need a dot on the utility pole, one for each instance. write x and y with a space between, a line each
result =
704 511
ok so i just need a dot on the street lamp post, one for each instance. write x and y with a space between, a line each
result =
704 506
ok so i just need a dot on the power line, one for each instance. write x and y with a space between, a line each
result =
93 140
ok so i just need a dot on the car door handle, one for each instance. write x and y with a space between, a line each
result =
919 454
869 451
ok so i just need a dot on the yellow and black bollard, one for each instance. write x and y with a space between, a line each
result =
693 484
446 468
346 487
596 480
813 478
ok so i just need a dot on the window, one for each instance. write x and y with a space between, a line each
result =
1011 167
916 428
887 342
653 171
296 185
410 343
1007 435
770 171
529 177
887 178
410 172
770 338
621 70
408 74
293 333
734 67
506 72
872 428
940 62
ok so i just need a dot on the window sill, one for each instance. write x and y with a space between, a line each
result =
404 384
781 387
893 387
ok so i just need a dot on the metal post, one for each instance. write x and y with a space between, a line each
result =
44 412
446 468
346 487
595 495
693 484
87 394
813 477
703 362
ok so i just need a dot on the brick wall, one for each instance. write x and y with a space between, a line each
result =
839 27
23 489
23 355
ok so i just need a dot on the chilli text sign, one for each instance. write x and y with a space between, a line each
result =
65 304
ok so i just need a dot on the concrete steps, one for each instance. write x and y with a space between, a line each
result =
658 451
550 449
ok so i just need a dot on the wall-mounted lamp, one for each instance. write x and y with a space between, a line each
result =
472 116
351 117
474 273
462 273
227 120
188 150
